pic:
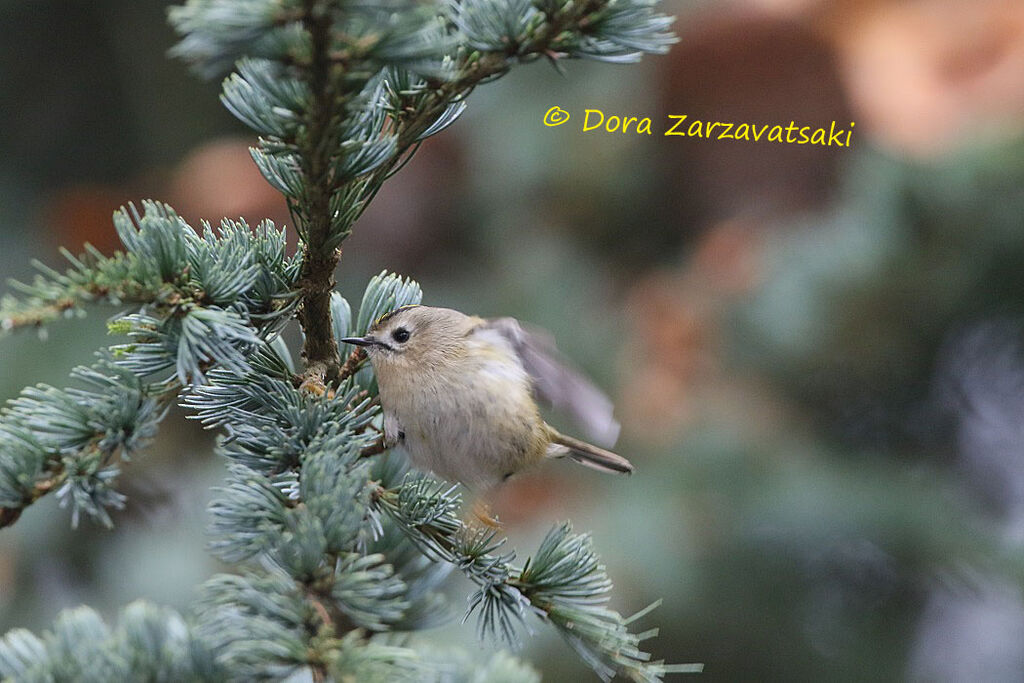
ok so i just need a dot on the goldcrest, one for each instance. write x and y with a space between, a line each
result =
459 393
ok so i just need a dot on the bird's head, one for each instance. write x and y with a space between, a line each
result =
414 337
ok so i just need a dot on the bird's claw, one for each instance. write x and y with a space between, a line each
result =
314 385
482 512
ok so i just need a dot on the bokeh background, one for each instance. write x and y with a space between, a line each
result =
817 353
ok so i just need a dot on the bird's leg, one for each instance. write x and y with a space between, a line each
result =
482 513
375 448
315 385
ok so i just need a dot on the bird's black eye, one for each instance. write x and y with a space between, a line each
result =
400 335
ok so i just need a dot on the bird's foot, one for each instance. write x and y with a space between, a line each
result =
482 513
314 385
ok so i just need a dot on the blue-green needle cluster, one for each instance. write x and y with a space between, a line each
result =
340 552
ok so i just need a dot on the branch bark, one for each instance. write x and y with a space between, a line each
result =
10 515
320 351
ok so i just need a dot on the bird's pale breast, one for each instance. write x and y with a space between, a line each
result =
473 420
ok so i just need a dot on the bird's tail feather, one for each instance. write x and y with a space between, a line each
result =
588 454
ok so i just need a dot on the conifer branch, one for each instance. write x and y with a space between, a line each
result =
337 548
343 108
72 441
320 351
149 643
210 301
165 264
92 278
563 583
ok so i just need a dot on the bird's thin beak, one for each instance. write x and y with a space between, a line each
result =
360 341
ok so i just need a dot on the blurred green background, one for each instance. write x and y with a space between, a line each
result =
816 353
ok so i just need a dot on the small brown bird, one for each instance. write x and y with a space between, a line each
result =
459 394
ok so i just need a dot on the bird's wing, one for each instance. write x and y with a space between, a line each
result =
557 384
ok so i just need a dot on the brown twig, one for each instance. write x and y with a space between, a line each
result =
316 281
10 515
352 364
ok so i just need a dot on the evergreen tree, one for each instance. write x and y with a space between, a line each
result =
339 548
